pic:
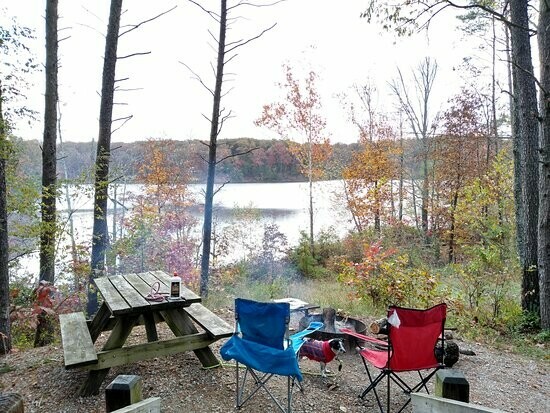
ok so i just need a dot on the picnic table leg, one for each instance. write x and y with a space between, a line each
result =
120 333
99 322
180 323
150 327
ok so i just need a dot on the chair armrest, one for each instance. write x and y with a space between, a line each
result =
363 337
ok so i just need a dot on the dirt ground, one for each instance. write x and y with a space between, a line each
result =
500 380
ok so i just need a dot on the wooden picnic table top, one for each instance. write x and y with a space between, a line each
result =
128 293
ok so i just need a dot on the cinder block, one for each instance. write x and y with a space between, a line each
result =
123 391
11 403
451 384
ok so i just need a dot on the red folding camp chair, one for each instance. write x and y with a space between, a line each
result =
412 338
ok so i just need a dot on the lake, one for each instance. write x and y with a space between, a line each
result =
284 203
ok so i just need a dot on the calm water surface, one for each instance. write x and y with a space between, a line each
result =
285 204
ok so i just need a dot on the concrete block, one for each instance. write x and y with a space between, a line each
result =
426 403
11 403
451 384
123 391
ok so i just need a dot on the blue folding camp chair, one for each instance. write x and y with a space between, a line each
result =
261 343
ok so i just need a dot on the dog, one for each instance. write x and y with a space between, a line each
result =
323 352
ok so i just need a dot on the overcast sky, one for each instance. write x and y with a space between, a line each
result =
327 36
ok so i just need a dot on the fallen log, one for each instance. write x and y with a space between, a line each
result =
379 326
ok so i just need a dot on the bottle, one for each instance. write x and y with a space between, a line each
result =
175 287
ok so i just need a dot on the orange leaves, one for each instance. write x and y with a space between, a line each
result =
368 181
298 119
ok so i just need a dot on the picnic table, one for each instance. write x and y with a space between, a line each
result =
128 301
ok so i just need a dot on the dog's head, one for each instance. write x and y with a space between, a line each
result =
337 345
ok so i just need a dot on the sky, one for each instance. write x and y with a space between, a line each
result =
166 101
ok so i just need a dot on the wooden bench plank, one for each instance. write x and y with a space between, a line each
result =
78 348
132 297
137 282
150 279
146 351
112 297
212 324
150 405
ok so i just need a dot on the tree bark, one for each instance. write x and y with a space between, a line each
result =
5 330
49 158
100 232
528 133
214 130
544 177
44 331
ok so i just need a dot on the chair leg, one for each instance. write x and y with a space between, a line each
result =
372 386
237 393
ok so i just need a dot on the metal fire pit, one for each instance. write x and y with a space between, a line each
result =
332 325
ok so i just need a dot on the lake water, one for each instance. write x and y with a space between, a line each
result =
285 204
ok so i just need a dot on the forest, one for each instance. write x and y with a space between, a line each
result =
262 160
446 205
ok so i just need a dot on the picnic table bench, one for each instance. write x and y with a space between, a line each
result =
125 305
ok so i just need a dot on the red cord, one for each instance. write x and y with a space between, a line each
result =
154 294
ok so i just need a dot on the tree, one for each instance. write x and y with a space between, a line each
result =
225 53
16 62
160 225
100 231
544 174
416 109
5 330
525 96
524 114
49 170
459 156
299 118
368 179
49 160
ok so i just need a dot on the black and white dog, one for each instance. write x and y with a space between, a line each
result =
323 351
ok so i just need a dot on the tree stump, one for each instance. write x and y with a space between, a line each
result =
329 318
450 355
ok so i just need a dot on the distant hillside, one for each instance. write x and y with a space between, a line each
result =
262 161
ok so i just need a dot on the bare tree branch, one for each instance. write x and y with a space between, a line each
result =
123 123
128 89
197 77
212 14
135 26
233 155
242 43
246 3
132 55
221 186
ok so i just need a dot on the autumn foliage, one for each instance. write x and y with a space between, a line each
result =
159 229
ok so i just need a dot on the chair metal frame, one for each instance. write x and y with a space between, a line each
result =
384 358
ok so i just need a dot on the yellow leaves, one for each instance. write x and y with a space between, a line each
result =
368 179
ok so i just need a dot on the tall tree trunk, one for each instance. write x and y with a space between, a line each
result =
544 183
214 130
49 159
44 330
100 232
5 330
310 178
528 132
452 253
74 252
